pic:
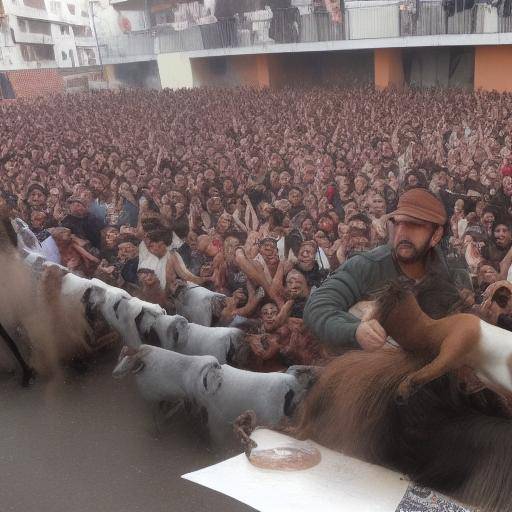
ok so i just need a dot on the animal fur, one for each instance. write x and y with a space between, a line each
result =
446 344
454 443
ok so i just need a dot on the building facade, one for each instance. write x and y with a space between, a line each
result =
38 34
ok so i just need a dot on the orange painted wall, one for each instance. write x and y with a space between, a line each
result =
493 68
389 69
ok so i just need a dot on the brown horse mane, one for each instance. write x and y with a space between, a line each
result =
441 438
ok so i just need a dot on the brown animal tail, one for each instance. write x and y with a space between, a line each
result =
442 439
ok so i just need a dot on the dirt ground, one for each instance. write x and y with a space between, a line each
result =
90 444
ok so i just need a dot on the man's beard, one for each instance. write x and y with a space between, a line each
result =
416 255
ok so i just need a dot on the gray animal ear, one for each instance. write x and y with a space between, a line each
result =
180 327
97 295
305 375
212 378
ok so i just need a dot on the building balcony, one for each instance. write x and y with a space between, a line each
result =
127 48
32 38
85 41
23 11
360 24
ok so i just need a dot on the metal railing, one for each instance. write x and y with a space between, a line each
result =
125 47
357 21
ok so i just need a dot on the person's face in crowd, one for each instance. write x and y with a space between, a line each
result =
239 297
295 197
307 227
127 251
213 192
306 256
224 223
350 209
488 219
459 206
158 249
268 250
487 275
148 279
321 239
507 186
77 209
209 175
154 185
411 238
228 187
377 205
276 163
502 236
265 209
285 179
36 198
473 175
84 164
192 240
343 231
360 185
274 180
326 224
38 220
343 183
296 285
387 150
230 244
180 181
310 201
96 185
140 163
216 204
308 174
479 208
357 224
268 315
412 180
131 176
180 209
111 238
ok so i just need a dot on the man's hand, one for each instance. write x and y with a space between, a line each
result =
371 335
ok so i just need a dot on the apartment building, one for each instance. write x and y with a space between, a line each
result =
38 34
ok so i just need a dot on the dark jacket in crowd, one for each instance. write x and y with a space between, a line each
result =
88 228
326 312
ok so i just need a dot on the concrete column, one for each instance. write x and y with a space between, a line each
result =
175 70
492 68
389 70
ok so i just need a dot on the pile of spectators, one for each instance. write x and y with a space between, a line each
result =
257 194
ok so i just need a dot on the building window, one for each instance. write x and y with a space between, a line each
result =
35 52
71 9
64 55
55 7
64 30
35 4
23 25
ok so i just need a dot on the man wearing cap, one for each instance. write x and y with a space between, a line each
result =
415 230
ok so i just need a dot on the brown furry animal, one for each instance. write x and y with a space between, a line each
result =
457 444
445 344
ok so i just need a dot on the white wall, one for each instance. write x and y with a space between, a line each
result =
175 71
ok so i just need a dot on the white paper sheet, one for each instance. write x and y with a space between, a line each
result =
338 484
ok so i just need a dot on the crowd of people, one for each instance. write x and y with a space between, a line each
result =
258 194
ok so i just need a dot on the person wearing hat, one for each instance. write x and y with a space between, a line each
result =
416 228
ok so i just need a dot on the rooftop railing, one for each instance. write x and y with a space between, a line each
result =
359 20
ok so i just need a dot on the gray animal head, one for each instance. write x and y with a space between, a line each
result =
130 361
171 331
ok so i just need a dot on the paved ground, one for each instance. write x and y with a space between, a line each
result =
91 445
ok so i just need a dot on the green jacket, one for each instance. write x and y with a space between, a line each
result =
326 312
